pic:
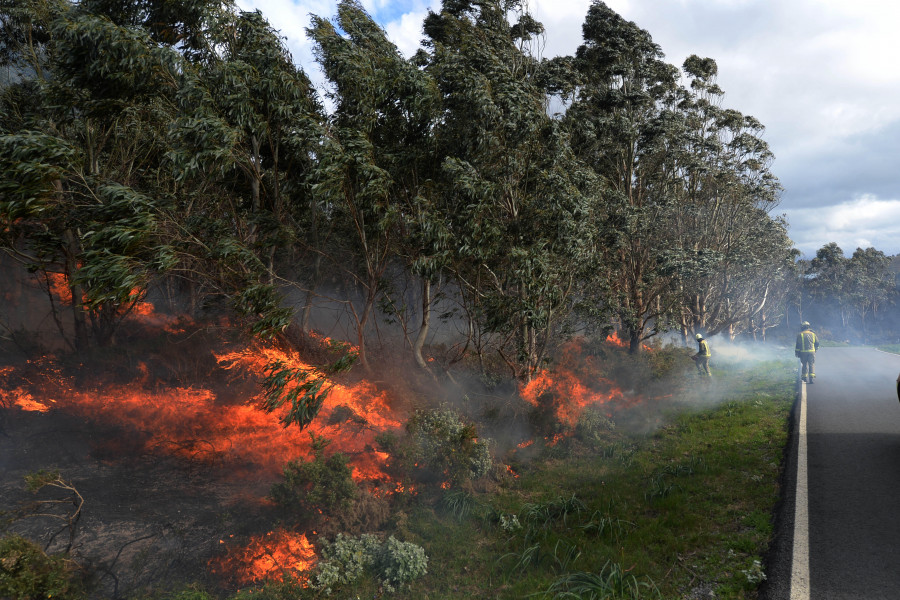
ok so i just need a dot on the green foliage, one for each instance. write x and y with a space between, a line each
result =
31 161
545 513
444 447
344 561
612 582
305 389
289 589
668 361
27 573
347 559
320 483
37 480
593 426
461 503
191 592
399 563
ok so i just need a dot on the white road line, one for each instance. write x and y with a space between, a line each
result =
800 561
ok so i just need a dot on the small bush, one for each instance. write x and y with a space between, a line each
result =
26 572
669 361
593 426
325 484
510 523
344 561
398 563
367 512
348 559
611 582
442 446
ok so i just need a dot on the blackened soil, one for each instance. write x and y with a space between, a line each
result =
150 521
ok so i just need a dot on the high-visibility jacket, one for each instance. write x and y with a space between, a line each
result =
807 341
704 349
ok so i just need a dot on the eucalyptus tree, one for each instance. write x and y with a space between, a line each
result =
736 254
870 284
80 186
621 128
517 203
826 284
378 170
99 187
242 149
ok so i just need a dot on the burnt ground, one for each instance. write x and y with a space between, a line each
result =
149 522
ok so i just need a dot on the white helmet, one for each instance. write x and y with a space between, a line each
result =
698 336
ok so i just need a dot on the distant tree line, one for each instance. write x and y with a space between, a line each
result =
849 299
173 147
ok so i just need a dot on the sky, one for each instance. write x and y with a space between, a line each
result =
823 76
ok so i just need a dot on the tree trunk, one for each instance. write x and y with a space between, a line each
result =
78 315
634 341
426 322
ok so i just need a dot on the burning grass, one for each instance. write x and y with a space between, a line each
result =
273 557
201 420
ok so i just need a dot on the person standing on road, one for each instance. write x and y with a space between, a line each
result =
702 356
807 344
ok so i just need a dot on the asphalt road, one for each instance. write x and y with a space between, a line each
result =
853 484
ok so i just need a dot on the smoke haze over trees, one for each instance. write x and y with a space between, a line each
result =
174 150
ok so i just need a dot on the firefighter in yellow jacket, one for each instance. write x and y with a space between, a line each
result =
807 344
702 356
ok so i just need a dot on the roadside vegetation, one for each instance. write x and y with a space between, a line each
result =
606 511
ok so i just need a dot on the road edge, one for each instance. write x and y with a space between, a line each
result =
779 558
800 585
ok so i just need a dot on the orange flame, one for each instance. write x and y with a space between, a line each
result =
615 340
143 311
618 342
193 422
570 394
26 401
571 386
269 557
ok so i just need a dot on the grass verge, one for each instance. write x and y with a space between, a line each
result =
682 511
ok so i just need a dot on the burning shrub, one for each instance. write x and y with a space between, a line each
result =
442 446
27 572
279 556
348 558
323 484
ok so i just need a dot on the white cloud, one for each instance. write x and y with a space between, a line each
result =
406 32
866 221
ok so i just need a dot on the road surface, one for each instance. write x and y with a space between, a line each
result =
839 536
